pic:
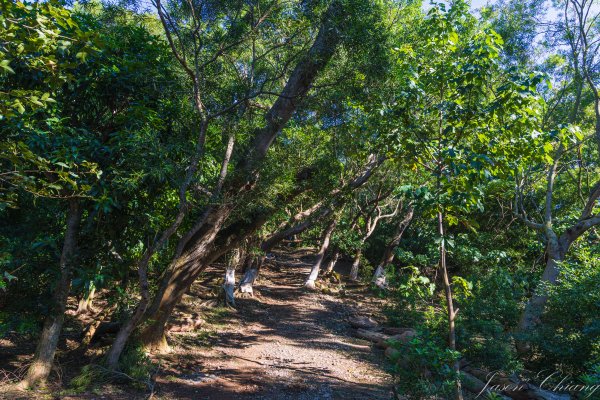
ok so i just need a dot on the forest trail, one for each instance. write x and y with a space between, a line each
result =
284 343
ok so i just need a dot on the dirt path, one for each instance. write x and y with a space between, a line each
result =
285 343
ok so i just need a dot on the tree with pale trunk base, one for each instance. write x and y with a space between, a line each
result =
379 278
314 271
40 368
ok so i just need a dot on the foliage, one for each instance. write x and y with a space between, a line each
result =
567 338
465 113
425 368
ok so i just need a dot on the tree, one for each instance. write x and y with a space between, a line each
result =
578 30
452 121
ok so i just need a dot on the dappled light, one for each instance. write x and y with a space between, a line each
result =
264 199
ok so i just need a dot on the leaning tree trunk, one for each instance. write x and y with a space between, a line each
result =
182 273
186 268
46 349
334 259
314 272
355 265
321 210
379 278
85 303
250 275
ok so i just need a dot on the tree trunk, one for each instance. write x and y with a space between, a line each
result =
181 274
334 259
450 304
85 304
114 353
250 275
46 349
319 211
379 278
531 316
229 283
300 227
355 265
314 272
185 269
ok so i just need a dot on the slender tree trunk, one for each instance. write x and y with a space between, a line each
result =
114 353
319 211
229 283
314 272
85 304
451 312
355 265
250 276
334 259
379 278
46 348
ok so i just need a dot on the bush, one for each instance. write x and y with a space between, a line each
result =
425 366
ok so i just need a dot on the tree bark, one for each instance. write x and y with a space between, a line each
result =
321 210
450 305
314 272
229 283
41 367
556 249
250 276
185 269
334 259
379 278
355 265
85 303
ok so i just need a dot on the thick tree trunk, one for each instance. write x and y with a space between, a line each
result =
314 272
182 273
46 349
379 278
355 265
531 316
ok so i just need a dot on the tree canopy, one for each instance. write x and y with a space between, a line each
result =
443 160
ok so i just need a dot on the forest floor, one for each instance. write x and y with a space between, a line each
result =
283 343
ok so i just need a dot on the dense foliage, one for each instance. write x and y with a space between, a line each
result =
451 156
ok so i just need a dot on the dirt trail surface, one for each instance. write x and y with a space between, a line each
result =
284 343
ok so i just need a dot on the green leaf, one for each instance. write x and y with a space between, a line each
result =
81 56
5 65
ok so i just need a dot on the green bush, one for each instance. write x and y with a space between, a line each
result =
425 366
